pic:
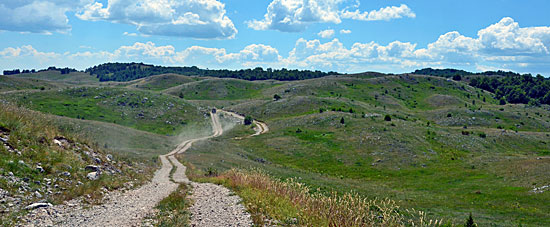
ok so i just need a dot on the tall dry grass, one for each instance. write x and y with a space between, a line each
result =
318 209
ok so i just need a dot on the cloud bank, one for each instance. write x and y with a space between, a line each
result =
202 19
296 15
503 45
37 16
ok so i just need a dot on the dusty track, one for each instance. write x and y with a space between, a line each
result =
261 126
213 204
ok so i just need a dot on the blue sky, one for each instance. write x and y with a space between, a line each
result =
340 35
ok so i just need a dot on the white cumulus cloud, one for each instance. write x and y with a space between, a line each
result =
202 19
329 33
503 45
45 17
345 31
296 15
386 13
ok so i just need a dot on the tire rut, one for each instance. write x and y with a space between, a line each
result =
213 205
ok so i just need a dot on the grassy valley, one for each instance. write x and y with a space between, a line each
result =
427 143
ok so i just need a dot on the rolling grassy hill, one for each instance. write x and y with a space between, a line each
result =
73 78
449 148
39 162
152 112
427 142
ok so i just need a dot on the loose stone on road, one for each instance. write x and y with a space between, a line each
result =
213 204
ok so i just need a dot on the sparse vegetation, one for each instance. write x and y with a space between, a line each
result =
35 155
272 201
173 209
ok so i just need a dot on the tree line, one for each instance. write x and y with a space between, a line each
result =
508 87
131 71
65 70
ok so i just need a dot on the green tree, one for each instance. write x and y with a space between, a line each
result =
276 97
342 121
470 222
546 99
387 118
248 120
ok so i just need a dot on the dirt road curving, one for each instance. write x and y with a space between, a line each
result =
261 126
213 204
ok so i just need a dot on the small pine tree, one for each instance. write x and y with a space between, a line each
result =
470 222
342 121
502 102
181 95
387 118
276 97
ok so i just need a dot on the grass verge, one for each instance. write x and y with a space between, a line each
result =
274 202
173 210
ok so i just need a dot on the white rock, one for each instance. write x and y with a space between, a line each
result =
58 142
93 176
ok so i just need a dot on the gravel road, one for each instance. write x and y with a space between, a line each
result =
213 205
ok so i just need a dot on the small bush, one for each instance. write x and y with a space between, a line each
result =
482 135
276 97
470 222
342 121
466 133
449 115
387 118
248 120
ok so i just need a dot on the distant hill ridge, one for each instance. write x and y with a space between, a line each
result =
508 87
132 71
459 72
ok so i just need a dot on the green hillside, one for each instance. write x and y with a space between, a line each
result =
430 143
449 148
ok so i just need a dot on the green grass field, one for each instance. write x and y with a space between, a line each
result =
472 160
152 112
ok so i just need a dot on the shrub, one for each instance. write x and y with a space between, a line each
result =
482 135
466 133
449 115
276 97
470 222
342 121
248 120
387 118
